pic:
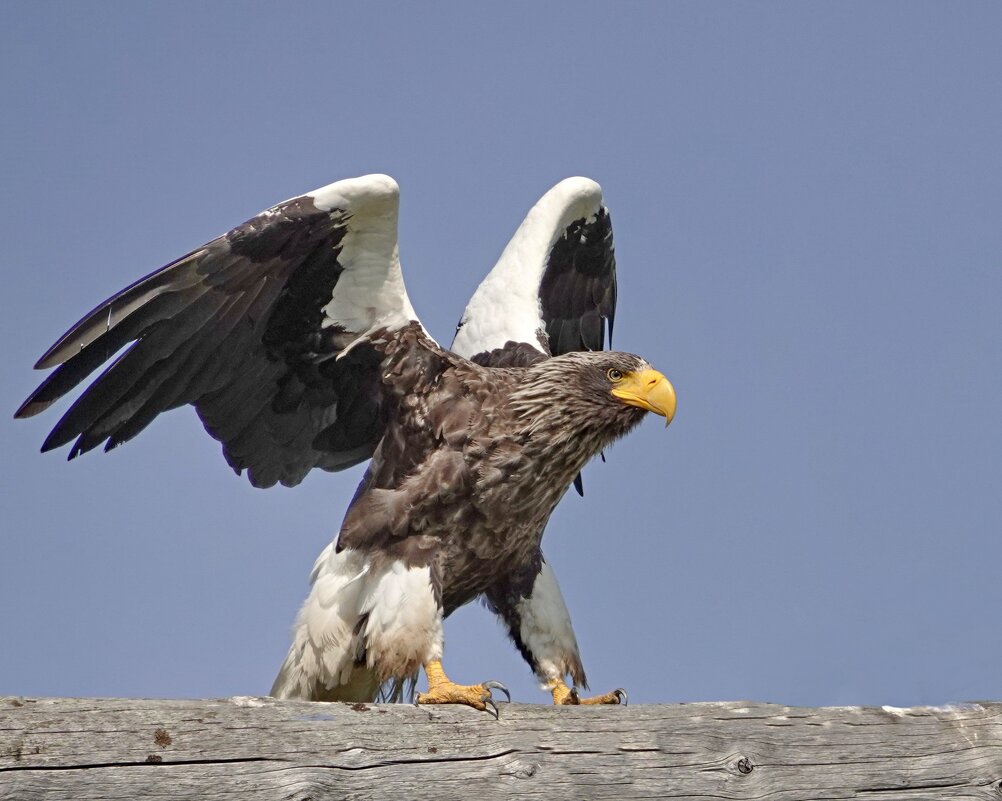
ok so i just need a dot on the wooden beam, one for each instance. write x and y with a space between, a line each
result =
260 748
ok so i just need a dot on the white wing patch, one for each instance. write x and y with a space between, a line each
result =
370 293
506 305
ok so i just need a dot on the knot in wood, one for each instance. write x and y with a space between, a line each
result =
527 771
522 770
745 766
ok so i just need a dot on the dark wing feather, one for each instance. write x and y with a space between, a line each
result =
578 291
247 329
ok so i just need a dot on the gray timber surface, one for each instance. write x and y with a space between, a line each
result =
260 748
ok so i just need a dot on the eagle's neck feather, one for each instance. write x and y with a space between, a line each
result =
565 429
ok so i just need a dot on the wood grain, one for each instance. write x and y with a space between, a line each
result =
260 748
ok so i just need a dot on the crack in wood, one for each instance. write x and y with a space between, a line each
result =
906 788
385 763
142 764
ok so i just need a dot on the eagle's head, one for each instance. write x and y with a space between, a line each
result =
594 397
623 378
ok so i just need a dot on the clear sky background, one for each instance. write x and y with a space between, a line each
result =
807 201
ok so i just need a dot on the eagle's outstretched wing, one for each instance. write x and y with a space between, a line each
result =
553 289
247 329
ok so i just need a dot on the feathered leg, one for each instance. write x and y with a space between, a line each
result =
533 609
364 622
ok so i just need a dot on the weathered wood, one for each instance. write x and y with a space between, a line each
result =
259 748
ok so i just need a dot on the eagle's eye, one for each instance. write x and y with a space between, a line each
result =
615 375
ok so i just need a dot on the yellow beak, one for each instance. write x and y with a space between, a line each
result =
649 390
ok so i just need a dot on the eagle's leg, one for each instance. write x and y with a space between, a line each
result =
533 609
442 690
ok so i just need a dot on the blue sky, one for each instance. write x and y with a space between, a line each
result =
806 201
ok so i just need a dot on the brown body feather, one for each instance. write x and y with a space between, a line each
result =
474 460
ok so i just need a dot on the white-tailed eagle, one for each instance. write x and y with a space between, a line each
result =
294 339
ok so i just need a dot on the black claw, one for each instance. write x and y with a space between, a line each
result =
496 685
620 693
575 698
492 707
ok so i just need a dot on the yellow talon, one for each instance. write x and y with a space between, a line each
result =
565 696
441 690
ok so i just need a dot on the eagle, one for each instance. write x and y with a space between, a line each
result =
293 337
